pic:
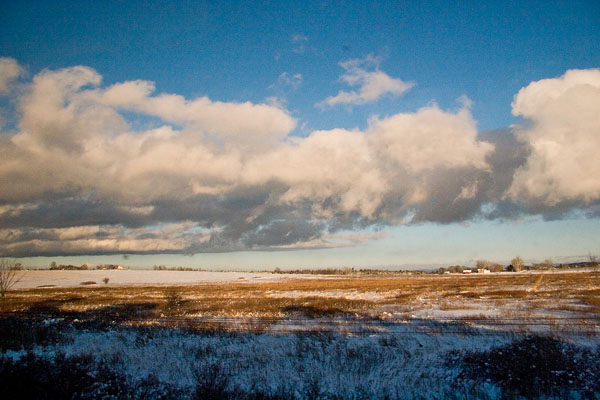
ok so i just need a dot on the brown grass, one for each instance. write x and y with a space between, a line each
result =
346 296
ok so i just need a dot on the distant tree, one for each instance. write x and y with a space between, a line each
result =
545 265
9 276
517 264
456 269
53 265
495 267
441 270
105 280
492 266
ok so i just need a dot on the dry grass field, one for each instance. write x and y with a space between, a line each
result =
555 300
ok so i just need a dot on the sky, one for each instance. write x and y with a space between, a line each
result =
249 135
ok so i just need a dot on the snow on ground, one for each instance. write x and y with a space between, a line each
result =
397 366
401 363
396 351
339 294
34 279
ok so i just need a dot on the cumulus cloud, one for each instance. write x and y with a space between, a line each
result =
371 81
10 70
430 139
562 130
207 176
239 124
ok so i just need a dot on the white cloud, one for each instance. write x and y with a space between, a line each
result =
73 138
292 80
372 82
299 43
430 139
77 173
562 130
357 171
334 164
242 124
230 168
299 38
10 70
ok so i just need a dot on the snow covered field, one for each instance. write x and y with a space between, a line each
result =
373 366
396 364
195 335
64 279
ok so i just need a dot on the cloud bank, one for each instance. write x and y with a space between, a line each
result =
91 169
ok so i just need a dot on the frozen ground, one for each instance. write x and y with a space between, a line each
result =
401 362
65 279
400 366
227 335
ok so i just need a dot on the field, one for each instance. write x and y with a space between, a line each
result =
242 335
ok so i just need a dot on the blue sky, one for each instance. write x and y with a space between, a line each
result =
466 61
235 51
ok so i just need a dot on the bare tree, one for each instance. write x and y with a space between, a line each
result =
492 266
593 259
495 267
545 265
10 274
517 264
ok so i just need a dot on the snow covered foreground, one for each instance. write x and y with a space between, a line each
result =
407 367
395 365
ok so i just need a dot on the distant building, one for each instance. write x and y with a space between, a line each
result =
467 271
483 271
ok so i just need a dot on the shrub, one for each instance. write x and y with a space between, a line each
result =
77 377
9 275
18 334
211 383
33 377
174 302
535 366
